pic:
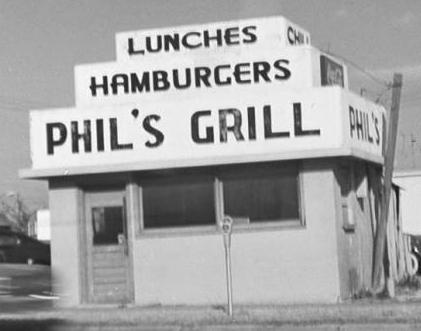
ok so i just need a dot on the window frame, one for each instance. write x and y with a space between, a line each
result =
217 175
95 232
171 230
263 172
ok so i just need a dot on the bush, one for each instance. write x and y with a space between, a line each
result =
410 283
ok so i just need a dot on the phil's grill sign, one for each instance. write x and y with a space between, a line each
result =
257 126
240 91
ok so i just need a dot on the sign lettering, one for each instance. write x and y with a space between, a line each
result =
189 76
196 77
267 126
221 36
192 40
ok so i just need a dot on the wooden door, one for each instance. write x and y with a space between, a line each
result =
107 248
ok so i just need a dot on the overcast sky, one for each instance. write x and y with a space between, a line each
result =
42 40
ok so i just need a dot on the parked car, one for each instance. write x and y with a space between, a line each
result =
16 247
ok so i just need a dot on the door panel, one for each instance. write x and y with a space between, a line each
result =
107 247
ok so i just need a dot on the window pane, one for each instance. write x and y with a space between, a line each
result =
183 203
270 197
107 223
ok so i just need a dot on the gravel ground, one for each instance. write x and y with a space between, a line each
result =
19 311
387 311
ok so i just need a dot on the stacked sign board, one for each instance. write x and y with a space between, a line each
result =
192 76
239 37
242 91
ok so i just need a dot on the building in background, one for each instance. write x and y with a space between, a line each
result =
5 223
410 183
40 226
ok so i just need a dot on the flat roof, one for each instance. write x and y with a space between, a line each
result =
44 173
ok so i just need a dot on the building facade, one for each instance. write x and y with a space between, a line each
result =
153 238
145 168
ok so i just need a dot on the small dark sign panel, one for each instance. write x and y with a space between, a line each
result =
331 73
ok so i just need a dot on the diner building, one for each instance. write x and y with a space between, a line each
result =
161 147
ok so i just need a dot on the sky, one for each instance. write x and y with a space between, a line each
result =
42 40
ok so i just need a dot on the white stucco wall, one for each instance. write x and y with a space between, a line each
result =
281 266
64 208
285 265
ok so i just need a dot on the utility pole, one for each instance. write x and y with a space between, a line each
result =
380 240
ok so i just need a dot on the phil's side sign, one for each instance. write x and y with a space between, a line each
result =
241 34
258 126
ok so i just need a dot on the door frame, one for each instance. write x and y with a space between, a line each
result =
86 248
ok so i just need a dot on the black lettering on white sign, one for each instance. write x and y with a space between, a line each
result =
361 124
234 116
81 131
191 40
158 136
140 82
194 125
52 142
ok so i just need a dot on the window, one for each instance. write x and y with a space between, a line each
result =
268 197
183 202
107 223
196 198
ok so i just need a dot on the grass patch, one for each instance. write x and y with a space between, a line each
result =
411 283
363 294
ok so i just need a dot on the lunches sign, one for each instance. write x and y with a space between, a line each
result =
236 36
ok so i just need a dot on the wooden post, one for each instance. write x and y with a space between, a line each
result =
380 239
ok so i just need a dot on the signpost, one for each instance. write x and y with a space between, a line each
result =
226 227
381 232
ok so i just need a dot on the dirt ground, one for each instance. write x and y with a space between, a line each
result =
26 304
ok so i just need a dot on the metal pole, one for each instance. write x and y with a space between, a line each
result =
226 228
229 278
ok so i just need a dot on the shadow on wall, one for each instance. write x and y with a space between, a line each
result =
354 281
